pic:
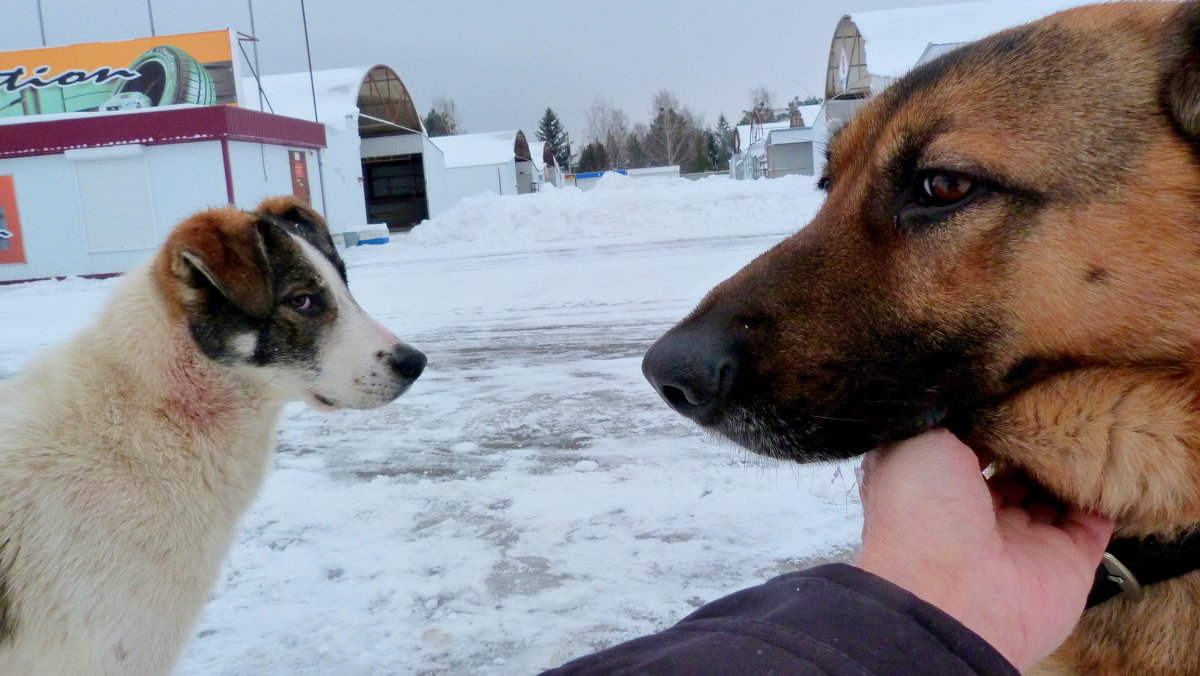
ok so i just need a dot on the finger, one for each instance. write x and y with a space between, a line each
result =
1012 489
1044 510
1091 532
933 453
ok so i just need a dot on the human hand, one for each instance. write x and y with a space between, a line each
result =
1001 557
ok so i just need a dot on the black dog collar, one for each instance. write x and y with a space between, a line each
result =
1133 563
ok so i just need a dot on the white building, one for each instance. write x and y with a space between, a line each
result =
870 50
545 165
774 149
496 162
95 193
789 151
379 166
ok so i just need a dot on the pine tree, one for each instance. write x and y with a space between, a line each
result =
634 150
551 131
715 157
724 139
593 158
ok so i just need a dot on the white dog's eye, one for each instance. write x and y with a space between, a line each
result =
304 302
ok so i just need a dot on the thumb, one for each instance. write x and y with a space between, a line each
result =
1090 532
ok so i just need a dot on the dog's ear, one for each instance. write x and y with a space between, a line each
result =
300 219
1182 86
287 208
221 250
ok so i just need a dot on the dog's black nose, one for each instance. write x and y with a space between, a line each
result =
693 371
406 361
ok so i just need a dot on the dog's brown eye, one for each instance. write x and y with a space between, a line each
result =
304 302
947 188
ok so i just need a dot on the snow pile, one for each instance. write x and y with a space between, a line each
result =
623 210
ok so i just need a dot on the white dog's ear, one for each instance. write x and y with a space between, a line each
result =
222 251
1181 89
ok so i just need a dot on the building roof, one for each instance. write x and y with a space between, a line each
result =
341 93
789 135
155 126
896 38
470 150
745 138
542 154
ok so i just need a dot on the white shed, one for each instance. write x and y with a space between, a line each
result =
759 149
496 162
94 193
379 167
545 165
789 151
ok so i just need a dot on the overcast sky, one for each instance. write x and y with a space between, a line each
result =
504 63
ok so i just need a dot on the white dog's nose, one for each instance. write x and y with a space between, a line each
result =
406 362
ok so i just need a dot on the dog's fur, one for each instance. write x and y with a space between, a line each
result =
127 455
1050 316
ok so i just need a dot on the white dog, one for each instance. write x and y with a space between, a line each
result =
128 455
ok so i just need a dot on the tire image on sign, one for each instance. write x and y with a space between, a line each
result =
169 76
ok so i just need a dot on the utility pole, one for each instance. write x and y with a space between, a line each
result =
41 22
312 86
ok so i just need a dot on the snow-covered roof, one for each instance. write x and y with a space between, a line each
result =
896 38
790 135
933 51
290 94
810 113
338 93
745 139
470 150
537 152
51 117
744 135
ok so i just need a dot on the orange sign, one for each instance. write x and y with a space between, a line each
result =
299 164
195 68
12 244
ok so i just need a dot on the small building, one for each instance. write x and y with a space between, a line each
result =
380 167
114 143
95 193
789 151
496 162
545 165
755 154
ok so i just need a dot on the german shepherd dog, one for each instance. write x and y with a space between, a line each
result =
128 454
1009 248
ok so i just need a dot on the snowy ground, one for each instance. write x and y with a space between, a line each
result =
530 499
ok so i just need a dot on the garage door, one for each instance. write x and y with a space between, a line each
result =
118 212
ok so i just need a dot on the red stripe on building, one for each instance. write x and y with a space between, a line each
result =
157 127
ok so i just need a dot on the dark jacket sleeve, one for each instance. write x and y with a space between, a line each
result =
833 619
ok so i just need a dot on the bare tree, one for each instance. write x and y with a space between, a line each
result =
762 101
610 127
442 119
674 134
